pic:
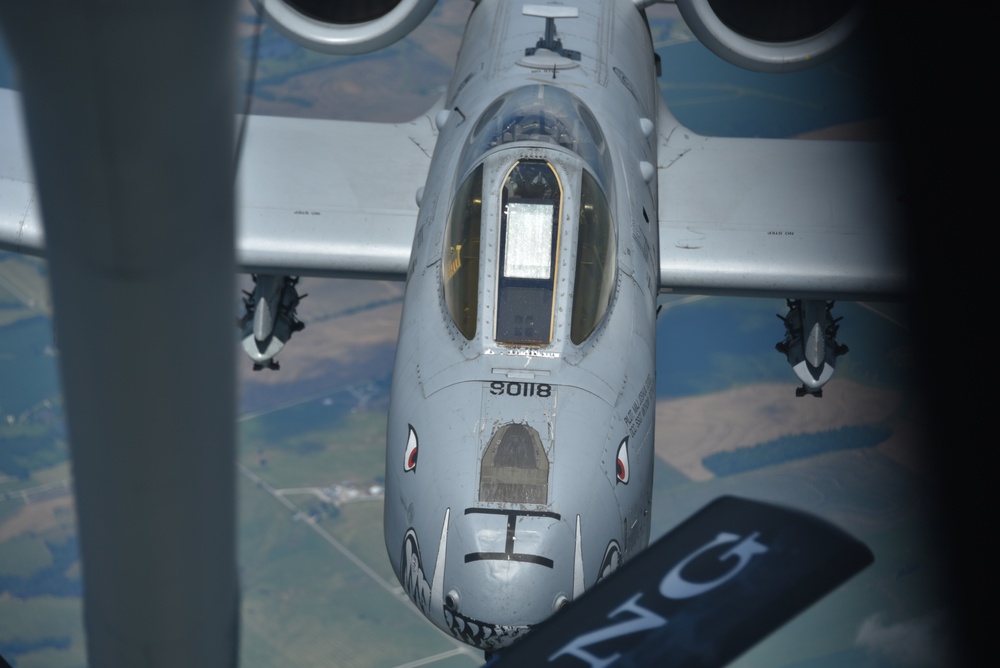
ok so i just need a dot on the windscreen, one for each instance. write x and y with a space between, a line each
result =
540 114
531 198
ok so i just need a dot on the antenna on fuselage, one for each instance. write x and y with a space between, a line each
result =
550 42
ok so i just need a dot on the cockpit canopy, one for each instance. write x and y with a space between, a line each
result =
536 200
460 265
540 114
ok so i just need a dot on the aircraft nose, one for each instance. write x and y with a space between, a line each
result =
516 554
505 523
505 578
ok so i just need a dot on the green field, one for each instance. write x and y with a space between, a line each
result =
49 627
42 630
729 342
24 289
359 528
305 603
26 448
11 310
24 360
23 555
312 444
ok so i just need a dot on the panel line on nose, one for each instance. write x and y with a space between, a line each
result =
508 554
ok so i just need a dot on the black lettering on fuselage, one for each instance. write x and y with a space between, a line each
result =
518 389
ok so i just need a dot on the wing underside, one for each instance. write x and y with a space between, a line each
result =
776 217
316 197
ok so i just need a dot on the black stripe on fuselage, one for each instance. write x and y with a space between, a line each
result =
508 554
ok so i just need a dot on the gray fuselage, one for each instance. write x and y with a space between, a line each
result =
520 434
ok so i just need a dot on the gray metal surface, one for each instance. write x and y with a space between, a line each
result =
768 56
20 213
331 198
777 217
348 39
315 197
132 148
513 543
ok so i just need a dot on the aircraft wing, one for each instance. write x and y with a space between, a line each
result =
776 217
20 217
316 197
331 198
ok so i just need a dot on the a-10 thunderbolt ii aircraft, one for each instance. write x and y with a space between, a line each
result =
536 214
562 196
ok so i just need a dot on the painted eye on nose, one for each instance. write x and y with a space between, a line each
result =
622 462
410 456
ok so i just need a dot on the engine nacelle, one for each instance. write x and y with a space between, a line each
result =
772 35
342 27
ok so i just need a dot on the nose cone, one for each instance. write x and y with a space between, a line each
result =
813 377
477 586
261 351
503 573
492 500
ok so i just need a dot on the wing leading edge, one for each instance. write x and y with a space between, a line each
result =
316 197
20 216
765 217
776 217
